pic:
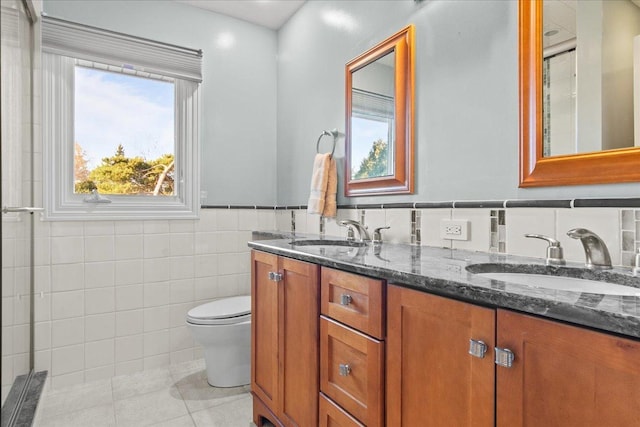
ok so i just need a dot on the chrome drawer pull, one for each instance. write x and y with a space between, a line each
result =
504 357
345 299
344 370
276 277
477 348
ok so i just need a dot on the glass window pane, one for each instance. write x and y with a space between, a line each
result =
370 147
124 134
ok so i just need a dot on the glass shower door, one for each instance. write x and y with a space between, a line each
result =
16 146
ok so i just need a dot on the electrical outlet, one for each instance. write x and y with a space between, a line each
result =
453 268
454 229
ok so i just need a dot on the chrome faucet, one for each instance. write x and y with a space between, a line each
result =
362 230
554 250
594 248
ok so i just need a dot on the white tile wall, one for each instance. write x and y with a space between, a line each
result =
529 221
606 222
115 293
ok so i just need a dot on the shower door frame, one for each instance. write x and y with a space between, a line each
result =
11 408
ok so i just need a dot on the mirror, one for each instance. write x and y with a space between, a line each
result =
379 118
584 136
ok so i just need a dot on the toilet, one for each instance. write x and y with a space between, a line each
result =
223 328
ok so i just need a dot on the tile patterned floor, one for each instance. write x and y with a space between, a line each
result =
175 397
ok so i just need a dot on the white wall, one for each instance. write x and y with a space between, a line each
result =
466 129
238 121
262 115
112 297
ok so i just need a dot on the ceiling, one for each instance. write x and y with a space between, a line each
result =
559 21
267 13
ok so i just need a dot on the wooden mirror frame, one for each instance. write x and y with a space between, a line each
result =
401 182
603 167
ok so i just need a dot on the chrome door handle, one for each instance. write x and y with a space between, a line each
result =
345 299
275 276
344 369
477 348
504 357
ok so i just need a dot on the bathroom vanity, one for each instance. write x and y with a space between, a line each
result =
407 335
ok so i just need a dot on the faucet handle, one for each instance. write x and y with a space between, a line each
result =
554 250
351 236
377 234
552 242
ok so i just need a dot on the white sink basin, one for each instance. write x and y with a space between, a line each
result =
328 243
563 283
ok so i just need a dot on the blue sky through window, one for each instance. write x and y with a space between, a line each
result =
364 132
113 108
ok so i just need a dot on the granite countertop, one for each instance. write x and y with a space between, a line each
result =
444 272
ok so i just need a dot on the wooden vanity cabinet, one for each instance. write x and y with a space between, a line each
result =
352 371
565 375
415 359
332 415
432 380
561 375
285 307
352 330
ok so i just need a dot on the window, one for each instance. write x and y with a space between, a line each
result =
120 125
123 132
372 123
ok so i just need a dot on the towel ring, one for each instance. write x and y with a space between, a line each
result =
333 133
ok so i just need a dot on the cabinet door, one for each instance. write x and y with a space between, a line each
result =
299 302
331 415
354 300
264 328
432 380
284 337
352 371
565 375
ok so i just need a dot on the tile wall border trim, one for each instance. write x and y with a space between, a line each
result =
537 204
606 203
479 204
633 202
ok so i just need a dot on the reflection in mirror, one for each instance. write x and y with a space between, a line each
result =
379 118
372 119
588 75
584 136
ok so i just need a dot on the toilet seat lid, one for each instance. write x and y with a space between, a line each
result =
225 308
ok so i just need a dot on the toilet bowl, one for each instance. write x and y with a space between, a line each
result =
223 328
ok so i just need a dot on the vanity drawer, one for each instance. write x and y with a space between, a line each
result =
354 300
352 371
331 415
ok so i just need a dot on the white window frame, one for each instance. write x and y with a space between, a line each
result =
63 44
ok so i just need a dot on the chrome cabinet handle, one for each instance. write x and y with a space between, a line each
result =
344 369
275 276
504 357
477 348
345 299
